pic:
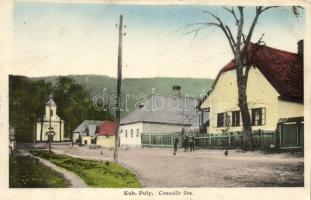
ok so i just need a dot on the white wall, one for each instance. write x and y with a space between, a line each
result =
128 140
55 123
289 109
59 134
54 117
144 128
105 141
87 139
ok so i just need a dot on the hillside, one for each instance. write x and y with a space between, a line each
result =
135 88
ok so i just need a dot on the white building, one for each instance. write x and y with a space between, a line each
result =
274 92
50 119
86 131
160 115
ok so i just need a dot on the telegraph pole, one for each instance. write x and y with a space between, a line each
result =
50 127
119 81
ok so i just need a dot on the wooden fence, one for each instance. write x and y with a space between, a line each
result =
160 140
263 140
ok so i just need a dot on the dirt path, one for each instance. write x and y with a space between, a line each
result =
156 167
75 180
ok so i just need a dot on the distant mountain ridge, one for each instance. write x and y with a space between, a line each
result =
133 88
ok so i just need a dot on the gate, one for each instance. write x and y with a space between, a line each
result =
291 133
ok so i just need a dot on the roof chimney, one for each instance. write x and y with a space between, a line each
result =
176 90
300 48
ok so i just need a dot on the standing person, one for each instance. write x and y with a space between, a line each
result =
191 142
187 142
175 144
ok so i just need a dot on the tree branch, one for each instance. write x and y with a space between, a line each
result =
268 7
231 36
223 28
245 77
239 35
231 43
232 12
213 15
259 10
196 31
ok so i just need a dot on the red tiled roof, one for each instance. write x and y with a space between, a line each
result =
107 128
284 70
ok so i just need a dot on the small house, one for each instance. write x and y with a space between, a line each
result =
106 134
86 132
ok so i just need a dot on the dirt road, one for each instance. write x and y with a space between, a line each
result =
156 167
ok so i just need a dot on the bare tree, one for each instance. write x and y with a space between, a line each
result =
240 46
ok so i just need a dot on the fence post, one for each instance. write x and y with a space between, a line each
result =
260 140
229 140
149 139
210 140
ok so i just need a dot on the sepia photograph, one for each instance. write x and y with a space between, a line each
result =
156 99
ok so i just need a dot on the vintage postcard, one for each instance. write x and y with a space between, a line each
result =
155 99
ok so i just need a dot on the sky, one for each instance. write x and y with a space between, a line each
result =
71 38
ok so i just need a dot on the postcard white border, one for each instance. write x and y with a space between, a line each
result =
6 7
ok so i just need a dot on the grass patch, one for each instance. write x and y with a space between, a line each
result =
27 172
94 173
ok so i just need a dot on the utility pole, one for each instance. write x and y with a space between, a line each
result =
119 81
50 128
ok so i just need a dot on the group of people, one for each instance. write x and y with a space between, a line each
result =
188 141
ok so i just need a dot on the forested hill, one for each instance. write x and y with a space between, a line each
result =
133 87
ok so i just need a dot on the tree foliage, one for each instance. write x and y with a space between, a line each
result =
75 105
27 99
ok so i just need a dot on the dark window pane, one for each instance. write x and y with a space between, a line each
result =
236 118
220 119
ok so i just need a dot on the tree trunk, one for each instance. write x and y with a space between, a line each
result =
242 100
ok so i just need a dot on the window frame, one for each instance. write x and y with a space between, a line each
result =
261 116
219 125
236 118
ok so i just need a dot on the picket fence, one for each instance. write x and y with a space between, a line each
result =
262 140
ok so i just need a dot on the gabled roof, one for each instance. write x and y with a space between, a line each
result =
107 128
283 70
178 110
91 129
87 127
